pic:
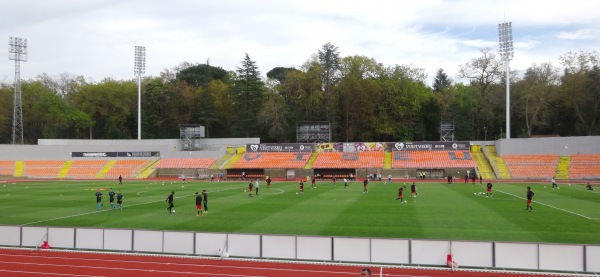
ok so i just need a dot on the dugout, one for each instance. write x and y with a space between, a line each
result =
251 173
338 173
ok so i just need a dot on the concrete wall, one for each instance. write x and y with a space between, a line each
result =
60 149
562 146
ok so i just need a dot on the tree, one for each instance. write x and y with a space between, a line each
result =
360 94
531 95
280 73
485 73
248 91
581 89
201 75
273 115
441 81
329 58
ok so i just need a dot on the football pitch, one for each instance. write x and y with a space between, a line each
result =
570 214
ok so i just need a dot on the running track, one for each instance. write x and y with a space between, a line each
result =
30 262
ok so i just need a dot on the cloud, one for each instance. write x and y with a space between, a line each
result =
96 38
583 34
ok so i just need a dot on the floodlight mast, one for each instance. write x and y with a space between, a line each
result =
506 54
18 52
139 70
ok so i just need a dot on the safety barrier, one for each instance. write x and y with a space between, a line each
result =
417 252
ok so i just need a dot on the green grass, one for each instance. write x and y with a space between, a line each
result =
568 215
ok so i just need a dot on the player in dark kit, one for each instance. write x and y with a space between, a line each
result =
250 185
400 192
120 200
334 181
199 205
268 183
99 199
413 190
169 200
111 198
205 194
489 190
529 198
301 186
120 180
313 183
365 183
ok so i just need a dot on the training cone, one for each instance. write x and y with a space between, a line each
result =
45 245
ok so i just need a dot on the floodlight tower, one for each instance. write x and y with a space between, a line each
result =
139 69
506 54
17 49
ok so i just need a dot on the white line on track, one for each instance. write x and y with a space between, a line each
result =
547 205
112 267
47 273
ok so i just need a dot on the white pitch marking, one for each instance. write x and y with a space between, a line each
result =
547 205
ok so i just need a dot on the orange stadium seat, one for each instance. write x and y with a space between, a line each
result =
7 167
126 168
531 166
432 159
273 160
370 159
584 166
85 169
43 168
184 163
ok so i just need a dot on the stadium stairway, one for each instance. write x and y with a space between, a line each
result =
232 161
562 170
19 168
387 160
496 162
65 169
483 165
223 160
147 171
311 160
106 168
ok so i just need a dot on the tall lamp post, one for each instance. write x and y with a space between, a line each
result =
18 52
139 69
506 54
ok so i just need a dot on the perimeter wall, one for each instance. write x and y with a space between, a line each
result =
418 252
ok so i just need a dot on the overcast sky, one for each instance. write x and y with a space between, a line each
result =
96 38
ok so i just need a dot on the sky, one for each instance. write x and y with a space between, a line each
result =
96 38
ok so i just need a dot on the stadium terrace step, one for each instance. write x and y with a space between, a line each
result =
562 171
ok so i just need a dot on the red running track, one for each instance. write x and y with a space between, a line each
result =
29 262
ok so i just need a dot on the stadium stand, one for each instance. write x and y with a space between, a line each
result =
125 168
585 166
184 163
432 159
272 160
42 168
7 167
85 169
372 159
531 166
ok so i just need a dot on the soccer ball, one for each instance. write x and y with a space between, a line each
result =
244 190
296 192
385 183
474 193
405 202
173 211
182 187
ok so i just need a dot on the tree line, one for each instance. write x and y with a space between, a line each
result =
363 99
